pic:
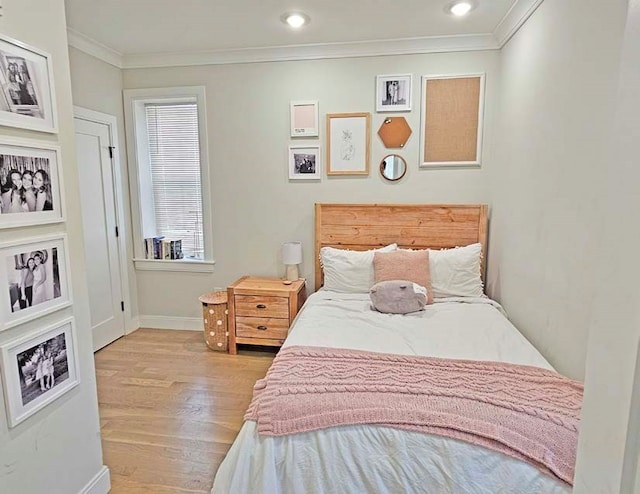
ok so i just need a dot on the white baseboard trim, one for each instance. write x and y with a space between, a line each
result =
167 322
133 324
100 484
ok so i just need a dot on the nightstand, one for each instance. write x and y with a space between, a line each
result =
261 310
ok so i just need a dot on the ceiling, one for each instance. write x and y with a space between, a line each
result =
163 26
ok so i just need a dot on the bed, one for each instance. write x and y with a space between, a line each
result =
372 458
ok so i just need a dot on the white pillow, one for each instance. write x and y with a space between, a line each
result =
349 271
456 272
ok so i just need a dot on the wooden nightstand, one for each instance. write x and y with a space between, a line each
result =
261 310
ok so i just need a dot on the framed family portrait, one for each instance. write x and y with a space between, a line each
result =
393 92
304 118
451 135
31 190
27 98
348 143
304 162
39 368
37 279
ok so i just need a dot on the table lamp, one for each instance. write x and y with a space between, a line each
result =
291 257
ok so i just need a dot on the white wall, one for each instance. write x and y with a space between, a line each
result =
255 207
58 449
557 97
97 85
611 414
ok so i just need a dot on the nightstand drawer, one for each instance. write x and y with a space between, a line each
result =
262 327
262 306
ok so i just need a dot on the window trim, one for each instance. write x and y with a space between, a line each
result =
134 101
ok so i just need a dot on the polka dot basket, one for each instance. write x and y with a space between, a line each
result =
215 312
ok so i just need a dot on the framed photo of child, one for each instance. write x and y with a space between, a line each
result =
38 368
37 276
30 183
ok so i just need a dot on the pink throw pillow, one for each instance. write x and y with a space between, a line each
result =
404 265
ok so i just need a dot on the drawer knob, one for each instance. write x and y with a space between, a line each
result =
262 328
261 306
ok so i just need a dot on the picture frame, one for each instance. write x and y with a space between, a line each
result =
348 143
305 162
393 92
27 95
41 264
39 368
304 118
32 191
452 137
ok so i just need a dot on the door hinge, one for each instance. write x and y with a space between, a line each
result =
122 305
111 150
117 232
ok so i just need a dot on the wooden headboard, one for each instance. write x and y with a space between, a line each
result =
416 226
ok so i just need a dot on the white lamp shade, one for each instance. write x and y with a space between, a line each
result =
292 253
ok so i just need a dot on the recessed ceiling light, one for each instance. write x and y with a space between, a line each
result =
295 19
460 8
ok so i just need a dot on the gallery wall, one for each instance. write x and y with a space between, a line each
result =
557 98
255 206
57 450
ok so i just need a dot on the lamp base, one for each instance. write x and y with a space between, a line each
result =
292 272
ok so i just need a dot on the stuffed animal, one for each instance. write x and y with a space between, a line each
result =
398 297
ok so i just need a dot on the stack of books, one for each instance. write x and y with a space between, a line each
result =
162 248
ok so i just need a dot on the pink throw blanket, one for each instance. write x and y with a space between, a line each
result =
525 412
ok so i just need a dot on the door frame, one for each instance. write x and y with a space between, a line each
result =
130 325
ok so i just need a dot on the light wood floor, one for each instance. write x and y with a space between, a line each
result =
170 409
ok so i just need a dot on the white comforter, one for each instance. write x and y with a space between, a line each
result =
374 459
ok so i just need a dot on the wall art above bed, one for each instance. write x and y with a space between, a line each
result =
452 112
348 143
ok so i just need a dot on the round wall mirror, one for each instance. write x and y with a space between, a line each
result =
393 167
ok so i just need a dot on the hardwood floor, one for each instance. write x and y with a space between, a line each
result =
170 409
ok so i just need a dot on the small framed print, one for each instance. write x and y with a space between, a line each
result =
31 190
38 369
304 119
348 143
37 279
27 98
304 162
393 92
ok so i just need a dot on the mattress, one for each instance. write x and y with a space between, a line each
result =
375 459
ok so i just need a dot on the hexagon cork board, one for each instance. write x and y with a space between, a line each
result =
394 132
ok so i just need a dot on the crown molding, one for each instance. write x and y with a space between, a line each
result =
92 47
513 20
517 15
434 44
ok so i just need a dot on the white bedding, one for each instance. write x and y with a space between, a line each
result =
374 459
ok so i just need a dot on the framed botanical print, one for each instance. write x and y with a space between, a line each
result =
348 143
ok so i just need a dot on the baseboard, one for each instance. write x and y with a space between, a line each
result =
167 322
100 484
132 325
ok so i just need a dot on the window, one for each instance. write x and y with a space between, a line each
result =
169 173
174 156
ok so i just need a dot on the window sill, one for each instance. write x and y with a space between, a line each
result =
180 265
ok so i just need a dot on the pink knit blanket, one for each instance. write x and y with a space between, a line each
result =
525 412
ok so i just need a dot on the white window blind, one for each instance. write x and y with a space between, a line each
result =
174 155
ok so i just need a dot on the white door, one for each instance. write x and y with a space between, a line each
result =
95 174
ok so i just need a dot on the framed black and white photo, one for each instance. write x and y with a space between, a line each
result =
304 118
31 190
393 92
27 98
39 368
37 277
304 162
